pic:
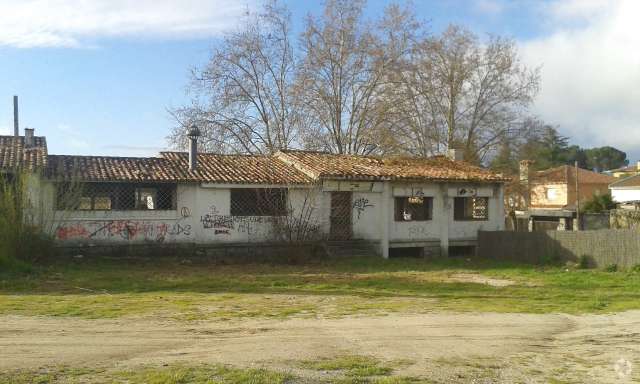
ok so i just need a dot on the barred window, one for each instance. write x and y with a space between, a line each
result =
258 202
116 196
413 208
471 208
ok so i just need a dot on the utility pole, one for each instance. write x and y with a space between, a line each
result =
577 199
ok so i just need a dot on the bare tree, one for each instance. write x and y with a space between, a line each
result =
243 99
340 80
459 92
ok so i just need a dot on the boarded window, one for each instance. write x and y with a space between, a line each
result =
258 202
413 208
471 208
116 196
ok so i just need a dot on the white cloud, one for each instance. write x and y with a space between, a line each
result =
591 72
73 23
491 7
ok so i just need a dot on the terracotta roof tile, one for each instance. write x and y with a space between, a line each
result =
106 168
627 182
13 153
566 173
174 167
320 164
238 168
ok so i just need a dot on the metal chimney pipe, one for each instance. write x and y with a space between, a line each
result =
193 135
16 126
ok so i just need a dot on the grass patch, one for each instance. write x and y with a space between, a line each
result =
177 374
357 366
165 288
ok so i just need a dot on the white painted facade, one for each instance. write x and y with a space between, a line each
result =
202 216
625 195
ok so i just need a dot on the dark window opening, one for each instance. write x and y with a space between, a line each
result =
413 208
471 208
413 252
258 202
115 196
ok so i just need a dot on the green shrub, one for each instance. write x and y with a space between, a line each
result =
21 240
599 203
635 268
611 268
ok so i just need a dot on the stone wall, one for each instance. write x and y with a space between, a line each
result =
602 247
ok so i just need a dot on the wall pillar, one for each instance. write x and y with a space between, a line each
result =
386 211
445 218
562 224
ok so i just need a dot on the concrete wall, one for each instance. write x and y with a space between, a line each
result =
601 248
202 216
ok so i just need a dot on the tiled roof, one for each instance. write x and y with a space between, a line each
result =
325 165
628 182
290 167
566 173
13 153
174 166
107 168
238 168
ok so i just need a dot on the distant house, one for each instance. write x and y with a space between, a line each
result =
624 172
552 194
626 192
216 199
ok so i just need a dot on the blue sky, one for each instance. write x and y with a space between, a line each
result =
97 77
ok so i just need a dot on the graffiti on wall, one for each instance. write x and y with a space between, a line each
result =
360 205
418 231
224 224
128 230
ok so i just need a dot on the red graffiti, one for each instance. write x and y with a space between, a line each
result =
72 231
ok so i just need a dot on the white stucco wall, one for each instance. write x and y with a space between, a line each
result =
625 195
428 230
203 216
366 215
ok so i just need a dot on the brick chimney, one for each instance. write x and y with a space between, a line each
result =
525 181
29 137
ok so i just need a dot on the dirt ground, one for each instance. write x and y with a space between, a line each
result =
441 346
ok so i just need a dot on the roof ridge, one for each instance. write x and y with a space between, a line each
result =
109 157
216 154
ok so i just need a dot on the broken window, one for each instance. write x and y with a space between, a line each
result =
413 208
116 196
471 208
258 202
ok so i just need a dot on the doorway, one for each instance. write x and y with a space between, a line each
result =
340 217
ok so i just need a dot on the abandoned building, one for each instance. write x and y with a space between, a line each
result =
202 198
